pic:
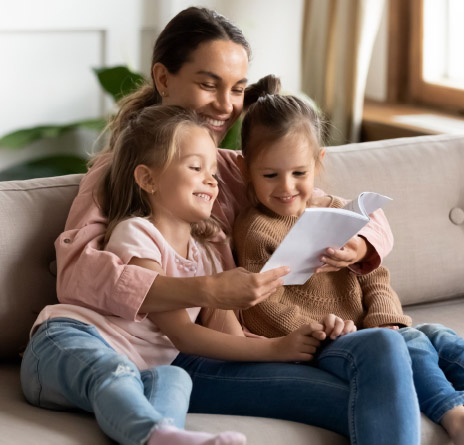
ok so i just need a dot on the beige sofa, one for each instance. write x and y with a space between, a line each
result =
424 176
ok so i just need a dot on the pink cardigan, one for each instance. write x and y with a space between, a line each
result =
100 280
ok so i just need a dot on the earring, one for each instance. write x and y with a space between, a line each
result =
163 93
152 191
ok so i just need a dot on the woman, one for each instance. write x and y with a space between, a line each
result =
200 61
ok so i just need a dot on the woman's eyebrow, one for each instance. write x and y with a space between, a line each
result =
218 78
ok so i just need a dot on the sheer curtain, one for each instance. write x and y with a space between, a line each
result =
338 36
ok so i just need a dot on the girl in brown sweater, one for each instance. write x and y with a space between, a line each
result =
282 153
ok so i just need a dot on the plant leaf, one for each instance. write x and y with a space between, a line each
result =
56 165
232 139
25 136
118 81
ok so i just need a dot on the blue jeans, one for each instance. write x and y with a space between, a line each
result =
437 355
361 386
67 365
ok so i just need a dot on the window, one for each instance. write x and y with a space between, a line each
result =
436 66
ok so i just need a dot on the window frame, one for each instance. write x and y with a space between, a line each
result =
405 81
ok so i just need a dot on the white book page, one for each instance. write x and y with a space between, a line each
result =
367 203
317 229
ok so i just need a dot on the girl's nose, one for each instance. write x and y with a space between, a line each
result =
286 184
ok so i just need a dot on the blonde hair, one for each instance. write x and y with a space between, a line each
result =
150 137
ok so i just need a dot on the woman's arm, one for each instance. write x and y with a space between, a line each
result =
233 289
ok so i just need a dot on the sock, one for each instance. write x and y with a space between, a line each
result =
171 435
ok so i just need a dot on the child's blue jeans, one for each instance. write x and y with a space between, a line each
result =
437 355
67 364
361 386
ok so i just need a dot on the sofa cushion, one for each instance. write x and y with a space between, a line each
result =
425 177
32 215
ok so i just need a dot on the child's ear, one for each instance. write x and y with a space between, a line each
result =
319 161
243 168
144 179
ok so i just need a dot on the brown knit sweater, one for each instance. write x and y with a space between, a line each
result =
368 300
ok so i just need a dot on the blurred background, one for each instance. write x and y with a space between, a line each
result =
377 68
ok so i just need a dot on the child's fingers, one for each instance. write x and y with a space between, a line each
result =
333 326
309 329
349 327
319 335
339 326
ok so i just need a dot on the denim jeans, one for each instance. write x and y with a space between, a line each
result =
360 386
67 365
437 355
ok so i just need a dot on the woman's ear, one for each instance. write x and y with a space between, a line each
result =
144 178
160 76
243 168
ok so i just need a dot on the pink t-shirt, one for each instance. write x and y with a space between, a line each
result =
100 280
140 340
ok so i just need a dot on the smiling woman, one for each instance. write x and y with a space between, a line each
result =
212 82
199 63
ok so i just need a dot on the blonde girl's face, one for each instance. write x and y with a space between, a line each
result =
282 175
212 83
186 190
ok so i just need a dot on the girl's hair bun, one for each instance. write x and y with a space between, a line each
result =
267 85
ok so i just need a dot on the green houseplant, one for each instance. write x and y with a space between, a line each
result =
116 81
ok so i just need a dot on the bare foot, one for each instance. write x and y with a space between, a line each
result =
453 422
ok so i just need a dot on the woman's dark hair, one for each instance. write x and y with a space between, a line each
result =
187 31
270 116
173 48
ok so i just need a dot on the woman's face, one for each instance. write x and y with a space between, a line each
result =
211 82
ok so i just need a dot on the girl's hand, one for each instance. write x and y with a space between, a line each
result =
354 251
300 345
239 289
335 326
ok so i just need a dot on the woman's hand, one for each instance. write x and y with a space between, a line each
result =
354 251
239 289
335 326
300 345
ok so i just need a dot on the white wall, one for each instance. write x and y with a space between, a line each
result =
48 48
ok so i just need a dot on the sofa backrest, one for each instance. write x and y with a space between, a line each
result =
32 215
425 177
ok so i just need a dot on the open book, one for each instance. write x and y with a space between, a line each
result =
319 228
